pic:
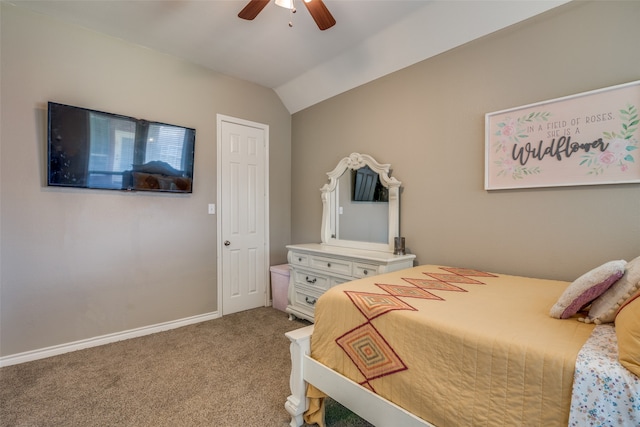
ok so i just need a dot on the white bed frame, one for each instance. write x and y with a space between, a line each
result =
368 405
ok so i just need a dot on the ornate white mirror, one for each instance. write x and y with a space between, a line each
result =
360 205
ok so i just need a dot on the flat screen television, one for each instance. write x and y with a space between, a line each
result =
94 149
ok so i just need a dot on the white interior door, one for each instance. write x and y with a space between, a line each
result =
243 255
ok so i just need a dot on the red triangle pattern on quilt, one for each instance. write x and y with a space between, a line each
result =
366 347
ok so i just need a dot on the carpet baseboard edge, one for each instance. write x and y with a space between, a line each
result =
55 350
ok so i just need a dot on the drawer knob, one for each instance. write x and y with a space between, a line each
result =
329 264
312 281
299 259
365 272
310 301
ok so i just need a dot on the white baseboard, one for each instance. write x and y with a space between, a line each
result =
55 350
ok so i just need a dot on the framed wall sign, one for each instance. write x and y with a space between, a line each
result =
585 139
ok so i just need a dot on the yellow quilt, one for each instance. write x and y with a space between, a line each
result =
456 347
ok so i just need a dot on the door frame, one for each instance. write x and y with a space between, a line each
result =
219 248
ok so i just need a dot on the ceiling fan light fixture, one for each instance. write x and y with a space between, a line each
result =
316 8
287 4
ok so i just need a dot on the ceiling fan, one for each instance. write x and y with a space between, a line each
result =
316 8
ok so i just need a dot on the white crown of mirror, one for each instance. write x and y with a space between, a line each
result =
331 207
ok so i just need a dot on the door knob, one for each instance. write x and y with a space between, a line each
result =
227 243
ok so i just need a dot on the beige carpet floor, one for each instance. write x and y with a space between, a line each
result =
232 371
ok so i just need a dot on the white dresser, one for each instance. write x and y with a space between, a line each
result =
316 267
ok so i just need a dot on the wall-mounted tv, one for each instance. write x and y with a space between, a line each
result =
94 149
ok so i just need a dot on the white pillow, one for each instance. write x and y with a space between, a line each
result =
604 308
586 288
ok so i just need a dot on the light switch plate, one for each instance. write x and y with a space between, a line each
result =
212 208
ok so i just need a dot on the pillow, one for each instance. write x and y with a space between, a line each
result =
628 333
586 288
634 296
603 309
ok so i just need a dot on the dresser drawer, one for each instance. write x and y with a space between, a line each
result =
311 279
298 258
333 265
364 270
335 281
305 298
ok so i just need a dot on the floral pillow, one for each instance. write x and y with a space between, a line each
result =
586 288
603 309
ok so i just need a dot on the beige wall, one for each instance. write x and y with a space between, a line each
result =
428 122
76 264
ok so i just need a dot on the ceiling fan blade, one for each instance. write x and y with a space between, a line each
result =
320 14
252 9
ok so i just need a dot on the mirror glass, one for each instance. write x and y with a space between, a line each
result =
360 205
362 211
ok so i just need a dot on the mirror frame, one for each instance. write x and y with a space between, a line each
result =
356 161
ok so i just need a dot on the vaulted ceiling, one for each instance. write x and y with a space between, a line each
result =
301 63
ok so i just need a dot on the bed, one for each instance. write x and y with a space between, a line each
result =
442 346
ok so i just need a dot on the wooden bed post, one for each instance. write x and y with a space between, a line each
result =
297 403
